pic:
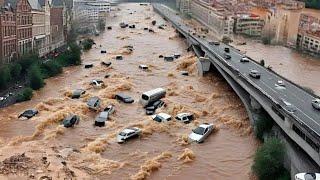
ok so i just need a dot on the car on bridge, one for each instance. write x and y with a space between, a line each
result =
307 176
226 56
316 104
227 50
244 59
288 106
200 133
215 43
255 74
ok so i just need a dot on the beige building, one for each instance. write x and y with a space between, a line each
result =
248 24
45 5
217 18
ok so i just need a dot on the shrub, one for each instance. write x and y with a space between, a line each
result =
87 44
226 40
263 124
101 25
5 77
268 160
15 70
51 68
35 77
25 95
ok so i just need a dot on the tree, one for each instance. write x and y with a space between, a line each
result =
268 160
15 70
87 44
25 95
101 25
262 125
5 77
36 79
315 4
262 63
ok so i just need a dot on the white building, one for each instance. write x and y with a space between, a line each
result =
89 11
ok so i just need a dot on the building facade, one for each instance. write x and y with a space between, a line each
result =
309 34
248 24
8 38
45 6
57 24
24 26
216 18
38 28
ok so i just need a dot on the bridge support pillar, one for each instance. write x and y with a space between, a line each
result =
203 65
255 105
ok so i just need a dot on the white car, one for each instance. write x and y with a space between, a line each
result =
200 133
185 117
128 133
307 176
143 67
161 117
244 59
97 83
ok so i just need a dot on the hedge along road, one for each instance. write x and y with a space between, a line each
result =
162 150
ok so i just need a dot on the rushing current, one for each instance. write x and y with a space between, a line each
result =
162 151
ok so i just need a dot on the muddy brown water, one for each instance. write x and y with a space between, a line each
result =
162 151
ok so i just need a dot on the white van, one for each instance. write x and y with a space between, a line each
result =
152 96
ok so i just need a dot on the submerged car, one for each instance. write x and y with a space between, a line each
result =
307 176
94 103
78 93
255 74
150 110
110 109
200 133
101 119
119 57
29 113
87 66
97 83
184 73
124 98
70 121
106 63
143 67
161 117
168 58
316 104
128 133
185 117
123 25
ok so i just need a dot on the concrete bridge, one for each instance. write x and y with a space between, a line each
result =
289 106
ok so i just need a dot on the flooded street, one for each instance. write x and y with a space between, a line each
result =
162 151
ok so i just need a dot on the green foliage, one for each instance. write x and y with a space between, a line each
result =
87 44
5 77
315 4
51 68
15 70
27 61
101 25
35 77
263 124
262 63
25 95
268 160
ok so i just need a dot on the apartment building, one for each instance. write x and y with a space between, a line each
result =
183 5
248 24
45 6
309 34
8 38
216 17
57 24
38 27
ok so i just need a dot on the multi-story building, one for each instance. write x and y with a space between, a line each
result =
215 16
23 14
8 38
45 5
248 24
38 28
309 34
56 23
88 12
183 5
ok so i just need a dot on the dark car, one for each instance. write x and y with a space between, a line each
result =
78 93
316 103
109 27
119 57
123 25
87 66
150 110
154 22
29 113
70 121
227 50
168 58
227 56
101 119
255 74
103 51
124 98
184 73
132 26
158 104
176 55
216 43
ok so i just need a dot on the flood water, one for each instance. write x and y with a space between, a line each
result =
162 151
